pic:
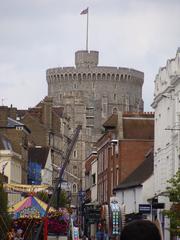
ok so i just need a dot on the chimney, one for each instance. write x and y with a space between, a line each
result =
12 112
47 111
3 116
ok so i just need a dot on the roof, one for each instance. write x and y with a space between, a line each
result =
38 155
140 174
21 112
138 128
138 125
111 121
12 123
5 143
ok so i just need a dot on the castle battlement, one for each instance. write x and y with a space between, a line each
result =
102 89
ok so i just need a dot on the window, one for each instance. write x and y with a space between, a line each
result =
74 188
75 154
117 175
93 179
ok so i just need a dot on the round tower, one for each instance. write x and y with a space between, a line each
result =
100 90
85 59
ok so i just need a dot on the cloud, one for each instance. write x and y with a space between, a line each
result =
39 34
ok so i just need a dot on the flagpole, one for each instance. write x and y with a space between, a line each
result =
87 30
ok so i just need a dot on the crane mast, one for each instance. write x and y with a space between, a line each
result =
61 172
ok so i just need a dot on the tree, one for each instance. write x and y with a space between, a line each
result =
45 197
4 217
174 196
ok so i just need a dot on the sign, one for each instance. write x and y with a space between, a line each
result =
115 216
75 233
144 208
157 205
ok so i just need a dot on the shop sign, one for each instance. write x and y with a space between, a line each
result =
144 208
115 216
157 205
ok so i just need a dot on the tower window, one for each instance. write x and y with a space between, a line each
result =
74 188
75 154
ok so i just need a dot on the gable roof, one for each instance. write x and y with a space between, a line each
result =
12 123
138 128
135 125
111 121
140 174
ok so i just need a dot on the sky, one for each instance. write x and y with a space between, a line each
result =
39 34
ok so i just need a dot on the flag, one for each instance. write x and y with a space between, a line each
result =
85 11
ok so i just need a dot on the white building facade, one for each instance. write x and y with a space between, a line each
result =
13 170
132 197
167 131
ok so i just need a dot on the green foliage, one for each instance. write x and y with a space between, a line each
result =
4 217
174 196
45 197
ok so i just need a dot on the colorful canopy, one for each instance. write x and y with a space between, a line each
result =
30 207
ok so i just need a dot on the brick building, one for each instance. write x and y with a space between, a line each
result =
127 138
18 134
49 127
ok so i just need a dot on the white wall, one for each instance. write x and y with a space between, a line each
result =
13 171
167 139
167 110
131 198
47 172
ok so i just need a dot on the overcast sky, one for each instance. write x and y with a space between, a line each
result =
39 34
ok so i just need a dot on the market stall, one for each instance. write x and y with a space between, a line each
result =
29 213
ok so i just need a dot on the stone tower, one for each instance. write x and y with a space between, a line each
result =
91 93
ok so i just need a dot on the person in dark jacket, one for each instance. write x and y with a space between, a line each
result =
140 230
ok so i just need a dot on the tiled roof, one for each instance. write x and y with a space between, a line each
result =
35 112
140 174
138 128
13 123
135 125
21 112
111 121
38 155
